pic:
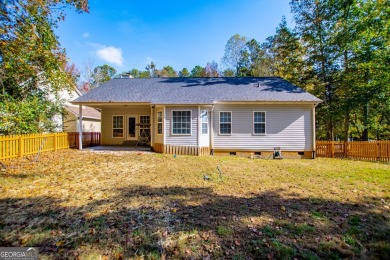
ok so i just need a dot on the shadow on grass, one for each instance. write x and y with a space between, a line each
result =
197 223
16 176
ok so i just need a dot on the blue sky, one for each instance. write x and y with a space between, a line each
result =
130 34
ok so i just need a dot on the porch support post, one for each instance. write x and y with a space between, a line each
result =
151 125
164 133
80 127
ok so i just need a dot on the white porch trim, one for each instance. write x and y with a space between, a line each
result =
80 127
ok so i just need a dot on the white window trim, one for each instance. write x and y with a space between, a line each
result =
123 126
162 122
265 123
190 122
201 122
231 122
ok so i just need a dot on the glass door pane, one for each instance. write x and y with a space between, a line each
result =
131 127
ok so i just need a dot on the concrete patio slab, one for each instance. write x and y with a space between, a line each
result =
103 148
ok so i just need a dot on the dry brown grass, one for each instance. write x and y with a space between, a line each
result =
137 205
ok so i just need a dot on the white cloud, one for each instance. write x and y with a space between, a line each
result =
86 35
110 54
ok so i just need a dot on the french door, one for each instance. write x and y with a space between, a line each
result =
131 127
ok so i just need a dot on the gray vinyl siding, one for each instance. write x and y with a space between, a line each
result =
287 126
204 140
185 140
108 113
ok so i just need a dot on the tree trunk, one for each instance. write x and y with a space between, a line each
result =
329 113
329 129
365 131
347 116
346 125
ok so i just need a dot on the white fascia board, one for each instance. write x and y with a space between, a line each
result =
268 102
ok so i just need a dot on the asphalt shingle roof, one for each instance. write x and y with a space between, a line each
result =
196 91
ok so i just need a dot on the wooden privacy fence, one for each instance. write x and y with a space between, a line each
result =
362 150
89 139
12 146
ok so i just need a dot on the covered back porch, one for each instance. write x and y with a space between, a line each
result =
124 124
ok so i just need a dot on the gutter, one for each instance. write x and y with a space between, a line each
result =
268 102
108 103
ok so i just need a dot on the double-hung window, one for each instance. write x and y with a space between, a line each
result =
181 122
205 122
258 123
225 123
159 122
117 126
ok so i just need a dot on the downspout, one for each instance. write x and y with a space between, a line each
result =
199 125
80 127
211 131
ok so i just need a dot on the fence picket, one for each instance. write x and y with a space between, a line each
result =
363 150
13 146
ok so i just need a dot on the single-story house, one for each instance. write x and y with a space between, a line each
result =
206 115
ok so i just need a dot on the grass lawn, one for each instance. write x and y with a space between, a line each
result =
79 204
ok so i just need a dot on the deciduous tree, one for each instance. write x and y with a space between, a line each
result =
102 74
184 73
167 72
211 70
152 69
31 57
233 52
197 71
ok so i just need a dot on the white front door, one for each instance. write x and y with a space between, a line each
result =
132 127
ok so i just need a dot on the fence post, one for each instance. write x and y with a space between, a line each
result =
345 149
21 146
2 145
378 151
332 149
55 141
